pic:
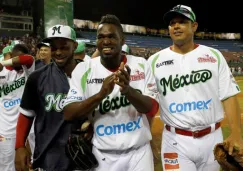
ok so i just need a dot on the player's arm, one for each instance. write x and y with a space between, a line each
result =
228 88
25 120
25 59
144 103
233 113
76 106
27 108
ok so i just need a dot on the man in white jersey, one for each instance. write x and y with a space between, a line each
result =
13 75
193 80
117 99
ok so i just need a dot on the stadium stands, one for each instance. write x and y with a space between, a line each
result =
161 42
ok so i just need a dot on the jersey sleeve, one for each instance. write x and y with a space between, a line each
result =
150 84
78 85
227 85
29 100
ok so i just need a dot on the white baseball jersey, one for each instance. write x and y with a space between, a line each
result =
11 89
192 86
117 124
86 58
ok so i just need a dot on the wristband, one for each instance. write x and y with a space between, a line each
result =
8 62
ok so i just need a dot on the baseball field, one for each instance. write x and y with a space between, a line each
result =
157 128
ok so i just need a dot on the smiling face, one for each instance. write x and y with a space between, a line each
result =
109 41
45 52
62 50
182 30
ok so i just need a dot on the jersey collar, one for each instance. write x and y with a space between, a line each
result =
124 60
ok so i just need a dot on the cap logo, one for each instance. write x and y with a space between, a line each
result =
56 29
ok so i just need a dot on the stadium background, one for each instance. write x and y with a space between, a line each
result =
219 27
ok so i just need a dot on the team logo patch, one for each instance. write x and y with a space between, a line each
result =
138 76
171 162
206 58
169 62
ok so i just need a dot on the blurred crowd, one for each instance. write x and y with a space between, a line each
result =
235 60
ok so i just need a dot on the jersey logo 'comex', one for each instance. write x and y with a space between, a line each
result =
55 102
189 106
103 130
6 89
56 29
180 81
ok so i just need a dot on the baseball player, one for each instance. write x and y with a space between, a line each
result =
13 75
193 80
43 99
116 93
79 53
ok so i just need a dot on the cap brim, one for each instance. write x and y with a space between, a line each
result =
170 15
39 45
48 39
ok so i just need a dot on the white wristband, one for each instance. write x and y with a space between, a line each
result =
8 62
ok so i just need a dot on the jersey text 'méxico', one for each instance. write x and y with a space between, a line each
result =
117 124
12 85
192 86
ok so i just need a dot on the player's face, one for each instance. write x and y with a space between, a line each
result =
62 51
109 41
45 52
182 30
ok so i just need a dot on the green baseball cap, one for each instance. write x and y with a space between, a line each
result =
7 49
125 48
182 10
80 48
60 31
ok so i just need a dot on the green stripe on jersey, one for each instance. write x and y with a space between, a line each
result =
153 62
216 54
141 65
84 79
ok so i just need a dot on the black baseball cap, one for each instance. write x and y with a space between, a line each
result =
179 10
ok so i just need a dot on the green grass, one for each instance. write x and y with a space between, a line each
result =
226 131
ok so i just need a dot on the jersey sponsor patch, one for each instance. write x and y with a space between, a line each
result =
102 130
206 58
165 63
138 76
171 162
189 106
8 104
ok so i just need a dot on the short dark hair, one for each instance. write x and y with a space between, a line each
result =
112 19
22 48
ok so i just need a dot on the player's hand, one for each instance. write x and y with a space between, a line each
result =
108 85
1 67
22 159
123 78
234 143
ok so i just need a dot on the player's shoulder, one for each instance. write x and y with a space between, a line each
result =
132 59
156 55
204 48
40 71
86 65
